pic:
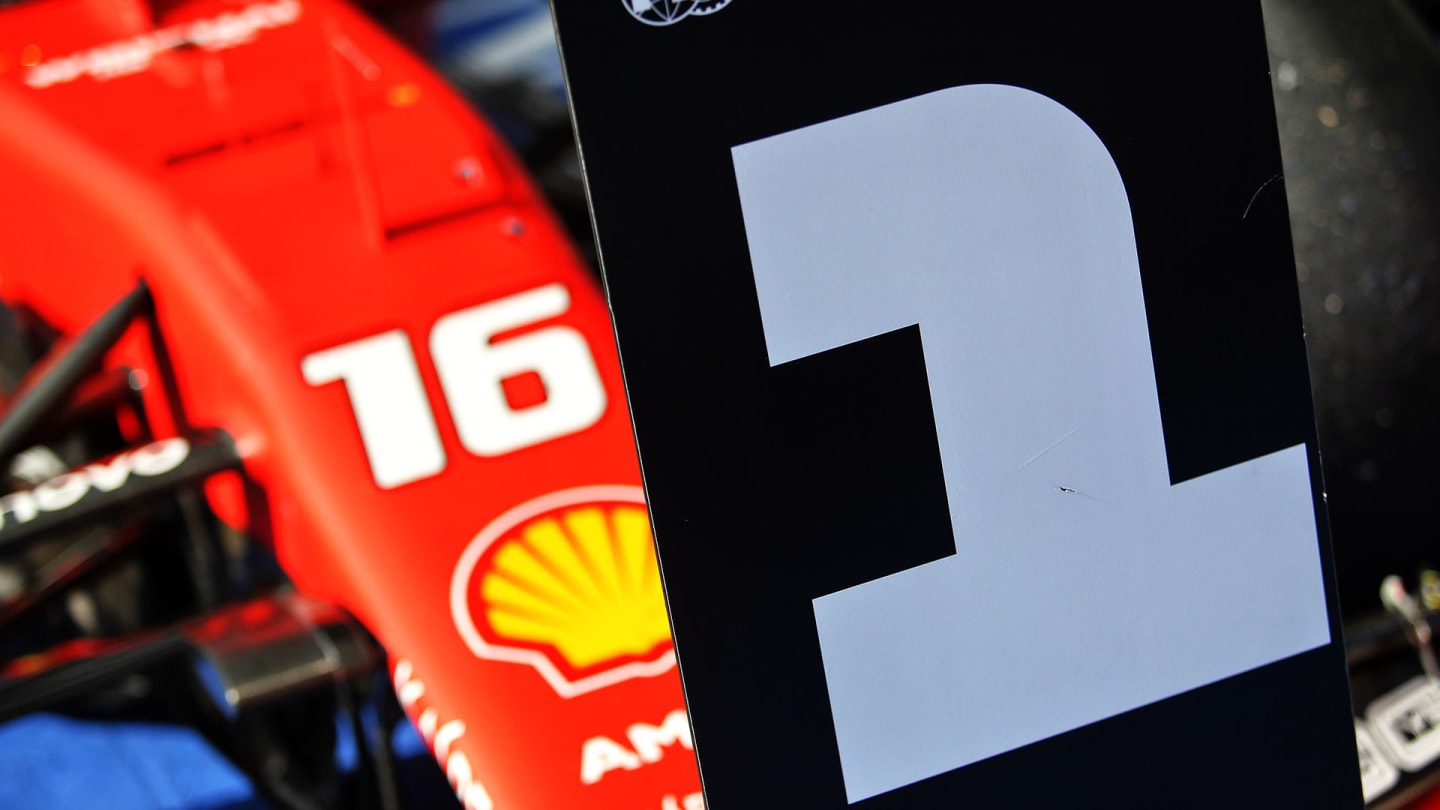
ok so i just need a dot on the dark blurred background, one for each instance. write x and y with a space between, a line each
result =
1357 95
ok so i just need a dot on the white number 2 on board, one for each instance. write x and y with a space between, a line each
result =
397 424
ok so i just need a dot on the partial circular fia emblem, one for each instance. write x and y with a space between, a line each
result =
667 12
568 584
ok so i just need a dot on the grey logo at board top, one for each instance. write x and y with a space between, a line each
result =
668 12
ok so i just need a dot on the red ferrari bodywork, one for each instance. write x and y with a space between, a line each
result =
357 282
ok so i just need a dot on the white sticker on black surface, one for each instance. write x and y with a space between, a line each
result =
1377 774
1407 722
996 220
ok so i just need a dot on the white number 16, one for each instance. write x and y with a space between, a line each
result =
397 425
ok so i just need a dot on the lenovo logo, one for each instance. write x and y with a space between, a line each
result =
67 489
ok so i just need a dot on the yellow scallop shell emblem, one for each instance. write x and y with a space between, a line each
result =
569 584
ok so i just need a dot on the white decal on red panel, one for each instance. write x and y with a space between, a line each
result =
441 737
133 55
397 422
600 755
692 801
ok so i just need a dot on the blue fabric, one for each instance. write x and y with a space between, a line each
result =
52 761
57 762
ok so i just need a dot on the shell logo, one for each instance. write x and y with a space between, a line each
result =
567 583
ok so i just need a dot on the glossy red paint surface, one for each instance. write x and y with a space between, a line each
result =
290 182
